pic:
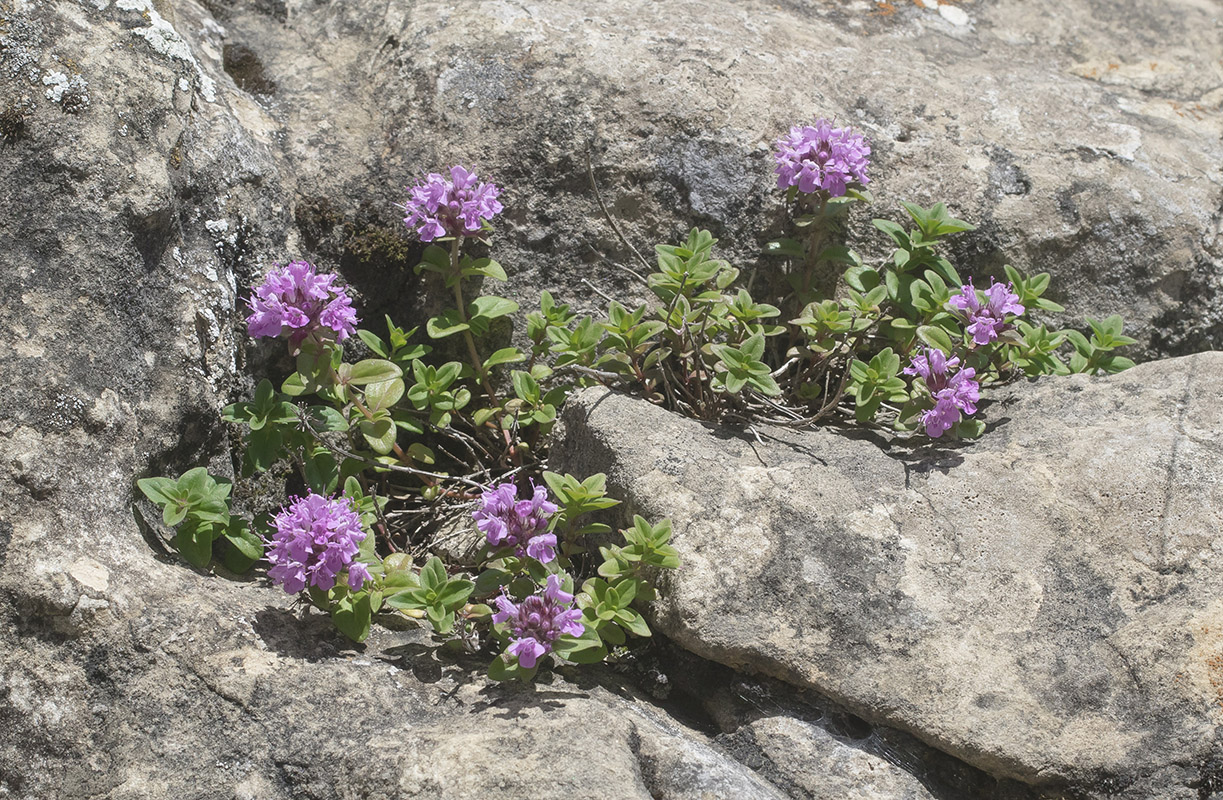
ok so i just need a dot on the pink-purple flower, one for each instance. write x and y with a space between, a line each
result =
316 538
537 621
439 207
955 394
509 522
985 320
819 156
297 300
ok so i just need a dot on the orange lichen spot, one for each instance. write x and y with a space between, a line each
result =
1214 671
1153 65
883 9
1113 65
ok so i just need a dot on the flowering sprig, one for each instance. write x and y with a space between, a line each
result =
955 393
296 299
438 207
316 538
537 621
821 157
522 525
985 321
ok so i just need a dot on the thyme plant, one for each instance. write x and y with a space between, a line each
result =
389 447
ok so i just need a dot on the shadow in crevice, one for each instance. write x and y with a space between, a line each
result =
723 704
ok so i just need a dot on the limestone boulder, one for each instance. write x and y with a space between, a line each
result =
1043 603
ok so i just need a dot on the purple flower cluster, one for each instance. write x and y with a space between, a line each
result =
819 156
537 621
316 537
454 207
297 299
985 321
954 394
521 524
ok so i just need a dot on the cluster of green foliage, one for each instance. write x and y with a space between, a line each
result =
413 440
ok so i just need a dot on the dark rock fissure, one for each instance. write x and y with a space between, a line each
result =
721 702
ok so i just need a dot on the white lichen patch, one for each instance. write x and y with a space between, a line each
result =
59 82
165 40
953 14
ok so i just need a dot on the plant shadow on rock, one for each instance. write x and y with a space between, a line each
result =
310 637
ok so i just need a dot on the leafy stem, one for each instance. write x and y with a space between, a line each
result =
477 363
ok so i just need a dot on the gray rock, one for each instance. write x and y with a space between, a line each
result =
1043 603
1082 137
156 157
136 194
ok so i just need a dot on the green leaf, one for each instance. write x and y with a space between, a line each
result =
785 247
486 267
243 540
322 470
433 574
194 542
373 342
935 337
351 616
326 418
421 453
893 230
632 622
174 513
585 649
969 428
379 434
502 669
490 580
158 489
455 593
506 355
490 307
525 386
753 347
434 259
384 394
446 324
373 370
295 386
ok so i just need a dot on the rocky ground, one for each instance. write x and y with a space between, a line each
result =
1034 615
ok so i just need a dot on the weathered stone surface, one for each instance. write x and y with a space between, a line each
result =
136 194
1082 137
155 157
1043 602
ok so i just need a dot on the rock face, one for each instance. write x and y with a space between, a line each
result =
1082 137
156 157
138 189
1044 603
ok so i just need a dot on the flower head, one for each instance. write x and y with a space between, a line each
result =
316 538
985 320
537 621
298 300
819 156
507 521
455 207
955 393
